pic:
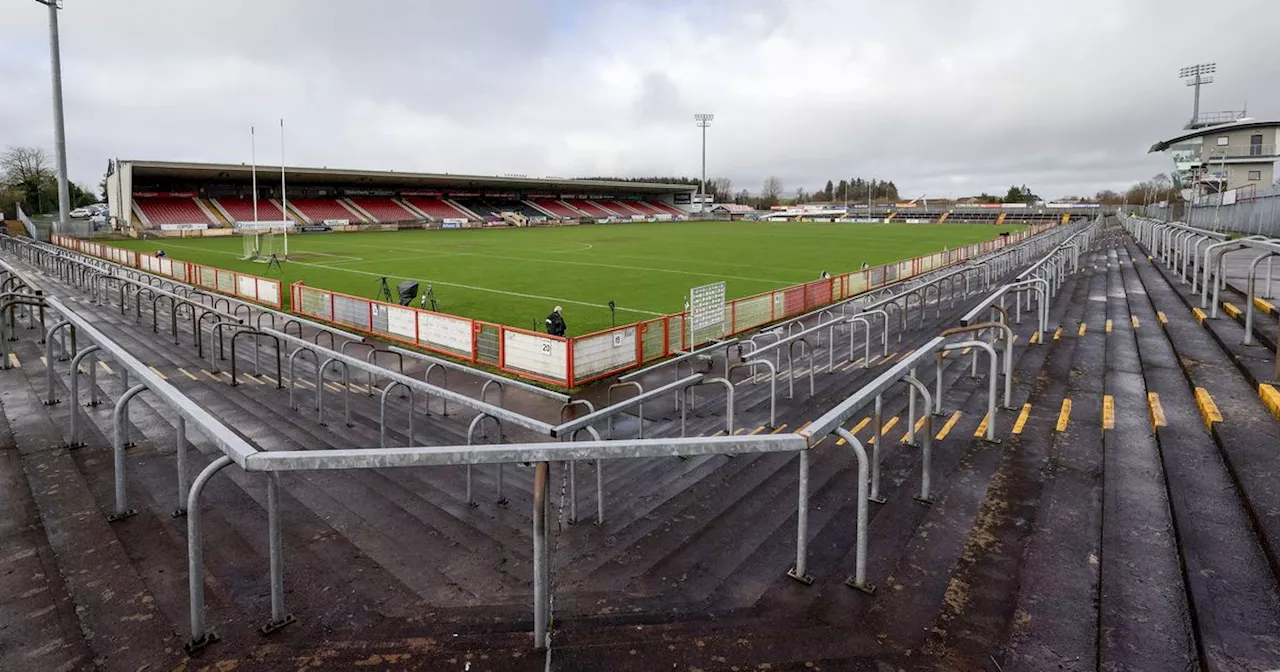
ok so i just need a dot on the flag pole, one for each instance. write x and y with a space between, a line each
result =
284 198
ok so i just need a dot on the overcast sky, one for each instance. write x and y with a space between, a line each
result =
946 97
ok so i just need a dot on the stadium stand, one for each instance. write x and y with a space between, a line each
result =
664 208
557 208
436 208
491 207
383 209
320 209
591 208
241 210
172 211
971 216
625 209
645 208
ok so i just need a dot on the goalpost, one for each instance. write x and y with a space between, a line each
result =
265 240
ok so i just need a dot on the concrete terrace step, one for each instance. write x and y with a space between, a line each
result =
691 550
48 632
118 616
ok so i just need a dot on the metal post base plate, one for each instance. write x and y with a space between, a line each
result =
877 500
195 646
179 513
806 579
922 500
867 588
122 515
276 625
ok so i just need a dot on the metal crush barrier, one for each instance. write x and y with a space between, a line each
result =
569 452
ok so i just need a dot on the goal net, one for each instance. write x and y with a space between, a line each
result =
262 242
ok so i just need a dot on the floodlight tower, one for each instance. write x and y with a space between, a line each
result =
1197 76
704 121
59 129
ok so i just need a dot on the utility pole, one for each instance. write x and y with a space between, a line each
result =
59 126
703 121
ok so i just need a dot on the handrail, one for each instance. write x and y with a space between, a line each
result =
413 383
479 373
507 453
568 428
226 440
680 358
834 418
1042 310
67 253
1049 256
787 340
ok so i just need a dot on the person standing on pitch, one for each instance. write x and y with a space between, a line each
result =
555 323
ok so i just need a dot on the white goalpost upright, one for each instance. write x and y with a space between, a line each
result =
265 240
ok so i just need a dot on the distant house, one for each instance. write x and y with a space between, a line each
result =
733 211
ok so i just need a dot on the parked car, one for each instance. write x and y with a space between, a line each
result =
80 213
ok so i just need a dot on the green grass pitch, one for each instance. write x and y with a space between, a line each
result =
516 276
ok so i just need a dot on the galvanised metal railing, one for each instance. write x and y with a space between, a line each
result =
249 458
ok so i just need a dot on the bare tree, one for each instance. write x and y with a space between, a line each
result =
772 190
722 187
24 165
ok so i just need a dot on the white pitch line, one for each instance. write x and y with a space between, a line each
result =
647 269
539 297
445 283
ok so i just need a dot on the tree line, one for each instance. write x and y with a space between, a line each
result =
721 189
27 178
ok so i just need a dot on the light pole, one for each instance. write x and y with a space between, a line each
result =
703 120
1197 76
59 129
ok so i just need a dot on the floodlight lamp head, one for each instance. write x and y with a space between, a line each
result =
1201 69
704 120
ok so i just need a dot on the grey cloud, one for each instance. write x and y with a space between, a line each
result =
1064 96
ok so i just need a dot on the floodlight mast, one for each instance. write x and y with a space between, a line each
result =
1197 76
59 125
703 120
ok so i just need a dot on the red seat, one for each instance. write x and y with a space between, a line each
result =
556 208
645 208
384 209
320 209
592 208
172 211
241 210
626 208
436 208
666 209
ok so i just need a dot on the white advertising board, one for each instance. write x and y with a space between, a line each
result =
546 357
445 332
706 312
401 322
